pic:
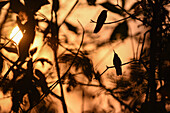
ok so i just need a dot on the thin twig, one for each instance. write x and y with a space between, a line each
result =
6 58
108 67
68 13
111 93
88 84
56 82
92 21
137 49
9 40
73 59
141 53
131 15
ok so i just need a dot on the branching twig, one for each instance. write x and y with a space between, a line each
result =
72 61
56 82
111 93
131 15
108 67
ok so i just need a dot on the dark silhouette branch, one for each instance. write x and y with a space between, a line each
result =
131 15
108 67
56 82
54 85
6 58
55 37
9 40
92 21
137 49
111 93
69 13
143 42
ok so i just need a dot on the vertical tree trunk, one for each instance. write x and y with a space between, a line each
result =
154 49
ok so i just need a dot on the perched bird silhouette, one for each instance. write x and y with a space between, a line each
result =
100 21
117 63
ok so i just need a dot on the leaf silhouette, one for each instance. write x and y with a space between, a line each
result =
10 49
42 81
17 6
2 3
100 21
71 83
33 95
71 27
81 62
122 30
55 6
23 85
135 5
42 60
91 2
33 51
35 5
117 63
112 8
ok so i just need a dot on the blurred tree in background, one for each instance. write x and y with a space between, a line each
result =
53 66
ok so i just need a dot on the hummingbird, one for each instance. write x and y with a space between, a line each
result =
117 63
100 21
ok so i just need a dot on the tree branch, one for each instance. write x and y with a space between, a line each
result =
92 21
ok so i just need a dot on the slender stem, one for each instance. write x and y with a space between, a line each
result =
92 21
61 86
108 67
69 13
6 58
138 48
111 93
141 53
133 49
131 15
10 40
55 83
55 36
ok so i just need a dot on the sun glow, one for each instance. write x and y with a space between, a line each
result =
16 35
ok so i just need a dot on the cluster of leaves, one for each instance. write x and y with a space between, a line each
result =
81 62
25 81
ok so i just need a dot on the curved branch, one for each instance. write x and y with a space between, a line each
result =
56 82
54 85
108 67
92 21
